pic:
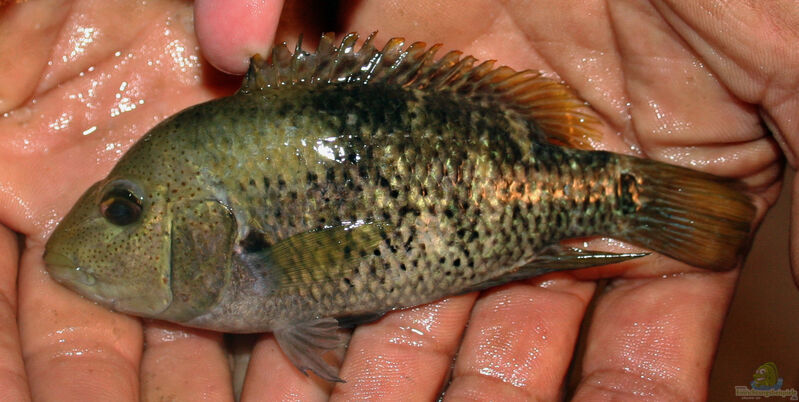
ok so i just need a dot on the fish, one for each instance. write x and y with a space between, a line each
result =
338 185
766 377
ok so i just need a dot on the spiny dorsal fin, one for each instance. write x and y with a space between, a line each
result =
561 115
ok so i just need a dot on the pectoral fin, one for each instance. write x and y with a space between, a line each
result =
320 255
306 343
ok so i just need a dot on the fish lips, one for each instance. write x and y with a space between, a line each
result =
80 279
64 270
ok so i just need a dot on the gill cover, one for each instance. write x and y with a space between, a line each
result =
201 241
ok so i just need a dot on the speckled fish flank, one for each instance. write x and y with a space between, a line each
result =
339 185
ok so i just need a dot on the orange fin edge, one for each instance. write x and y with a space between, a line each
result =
563 118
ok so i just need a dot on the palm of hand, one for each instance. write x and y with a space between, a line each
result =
113 77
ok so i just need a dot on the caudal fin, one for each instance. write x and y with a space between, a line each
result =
694 217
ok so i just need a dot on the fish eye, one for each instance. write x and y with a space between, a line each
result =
120 205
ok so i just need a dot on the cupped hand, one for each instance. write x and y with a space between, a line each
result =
670 83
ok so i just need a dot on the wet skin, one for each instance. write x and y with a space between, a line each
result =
650 334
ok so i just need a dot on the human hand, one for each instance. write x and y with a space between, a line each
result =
649 335
79 84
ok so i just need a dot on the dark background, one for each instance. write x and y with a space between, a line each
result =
763 323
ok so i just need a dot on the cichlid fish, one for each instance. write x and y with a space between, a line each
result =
339 185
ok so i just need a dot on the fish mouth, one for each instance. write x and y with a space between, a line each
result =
82 280
57 264
72 276
65 271
57 260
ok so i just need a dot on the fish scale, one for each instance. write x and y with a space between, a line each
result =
495 221
338 185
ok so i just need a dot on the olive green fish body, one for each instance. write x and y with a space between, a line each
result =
463 194
338 185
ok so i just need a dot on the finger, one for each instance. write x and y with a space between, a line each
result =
520 340
655 338
407 355
662 78
74 349
31 45
230 32
271 376
73 133
13 381
183 364
308 19
750 49
716 132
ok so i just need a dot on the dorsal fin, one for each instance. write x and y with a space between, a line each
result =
561 115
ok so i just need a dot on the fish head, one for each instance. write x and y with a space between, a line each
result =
152 239
766 374
113 247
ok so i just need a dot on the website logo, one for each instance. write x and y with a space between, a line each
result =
766 382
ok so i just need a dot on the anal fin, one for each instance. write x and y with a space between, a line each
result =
557 258
306 343
351 321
